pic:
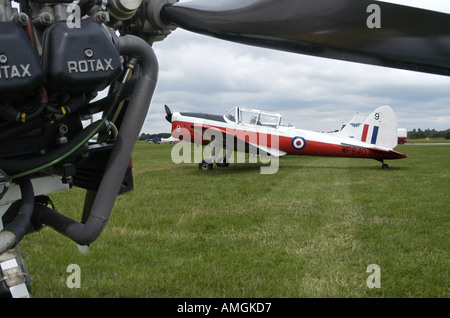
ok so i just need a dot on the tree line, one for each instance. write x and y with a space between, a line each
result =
428 133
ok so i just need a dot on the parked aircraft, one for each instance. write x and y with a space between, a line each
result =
373 136
160 140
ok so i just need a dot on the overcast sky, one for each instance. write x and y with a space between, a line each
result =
204 74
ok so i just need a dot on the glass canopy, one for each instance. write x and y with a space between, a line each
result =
253 117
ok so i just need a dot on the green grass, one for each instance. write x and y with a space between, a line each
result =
310 230
430 141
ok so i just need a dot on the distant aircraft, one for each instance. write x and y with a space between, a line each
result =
159 140
373 136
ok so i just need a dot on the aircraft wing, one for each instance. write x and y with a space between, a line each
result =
201 129
272 151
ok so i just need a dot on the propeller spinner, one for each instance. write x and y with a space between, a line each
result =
404 37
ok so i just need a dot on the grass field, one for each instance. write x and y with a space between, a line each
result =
310 230
429 140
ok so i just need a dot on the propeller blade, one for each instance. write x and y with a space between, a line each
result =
363 31
168 114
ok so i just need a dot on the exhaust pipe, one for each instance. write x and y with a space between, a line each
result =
103 203
15 231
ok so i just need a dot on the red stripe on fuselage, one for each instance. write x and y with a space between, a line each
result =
364 134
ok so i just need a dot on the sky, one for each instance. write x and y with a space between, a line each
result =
202 74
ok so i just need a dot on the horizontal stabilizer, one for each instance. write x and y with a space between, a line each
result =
394 154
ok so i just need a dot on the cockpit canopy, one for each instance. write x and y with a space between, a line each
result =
246 116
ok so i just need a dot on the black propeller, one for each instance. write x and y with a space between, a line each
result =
407 38
168 114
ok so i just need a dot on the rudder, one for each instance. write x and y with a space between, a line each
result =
380 128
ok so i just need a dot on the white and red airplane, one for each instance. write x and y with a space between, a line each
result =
373 136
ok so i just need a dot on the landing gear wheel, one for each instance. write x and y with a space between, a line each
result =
384 166
205 166
224 163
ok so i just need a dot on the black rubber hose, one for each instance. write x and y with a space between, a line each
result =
13 115
37 113
9 113
70 106
13 233
14 130
86 5
106 102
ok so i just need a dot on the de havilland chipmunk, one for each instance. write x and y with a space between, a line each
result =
365 136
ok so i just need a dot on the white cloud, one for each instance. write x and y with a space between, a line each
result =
203 74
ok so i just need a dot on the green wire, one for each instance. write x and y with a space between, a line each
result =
104 118
63 156
4 174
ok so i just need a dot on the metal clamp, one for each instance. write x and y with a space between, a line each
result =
13 275
4 184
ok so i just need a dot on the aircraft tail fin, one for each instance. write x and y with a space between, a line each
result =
378 129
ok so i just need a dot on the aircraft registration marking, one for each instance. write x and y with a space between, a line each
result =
354 151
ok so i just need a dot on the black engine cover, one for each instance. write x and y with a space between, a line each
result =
78 60
20 70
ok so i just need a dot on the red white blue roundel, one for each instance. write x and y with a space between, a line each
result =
298 143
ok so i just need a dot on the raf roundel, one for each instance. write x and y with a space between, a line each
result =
298 143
